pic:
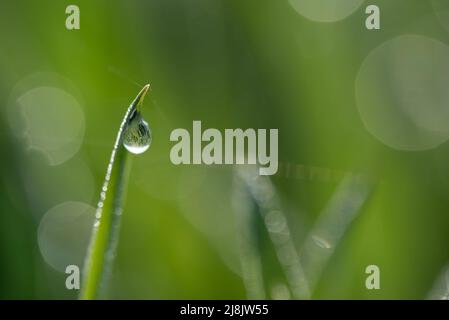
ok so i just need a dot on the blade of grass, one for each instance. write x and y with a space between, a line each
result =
333 222
250 255
440 289
98 263
265 196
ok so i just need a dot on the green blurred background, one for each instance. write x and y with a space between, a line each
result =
230 64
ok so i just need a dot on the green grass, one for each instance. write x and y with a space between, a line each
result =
105 234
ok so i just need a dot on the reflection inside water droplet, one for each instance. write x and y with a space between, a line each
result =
137 135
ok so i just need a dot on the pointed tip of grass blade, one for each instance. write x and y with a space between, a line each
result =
140 97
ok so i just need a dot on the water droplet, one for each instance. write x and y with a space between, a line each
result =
321 242
137 135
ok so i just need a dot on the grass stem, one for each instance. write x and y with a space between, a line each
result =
105 234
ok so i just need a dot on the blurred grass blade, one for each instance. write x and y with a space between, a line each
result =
332 224
265 196
250 255
98 262
440 289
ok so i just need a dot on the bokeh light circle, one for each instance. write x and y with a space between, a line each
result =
64 234
325 10
402 93
46 116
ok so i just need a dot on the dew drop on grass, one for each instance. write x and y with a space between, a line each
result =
321 242
137 135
